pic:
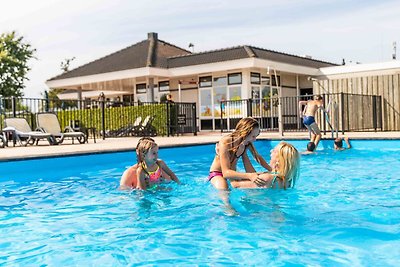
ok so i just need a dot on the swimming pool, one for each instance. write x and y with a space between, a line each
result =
344 211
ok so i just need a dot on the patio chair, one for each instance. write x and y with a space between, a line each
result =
22 133
125 130
48 123
146 128
2 142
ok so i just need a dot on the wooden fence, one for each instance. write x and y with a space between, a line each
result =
387 86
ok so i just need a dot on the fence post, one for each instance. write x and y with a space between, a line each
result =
280 119
168 119
380 111
323 117
103 114
194 118
249 108
14 106
46 103
342 110
221 123
1 104
374 115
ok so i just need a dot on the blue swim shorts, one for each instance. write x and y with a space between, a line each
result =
308 120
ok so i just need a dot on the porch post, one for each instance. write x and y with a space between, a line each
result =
150 93
79 94
297 101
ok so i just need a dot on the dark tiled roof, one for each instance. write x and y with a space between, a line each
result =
157 53
243 52
290 59
142 54
208 57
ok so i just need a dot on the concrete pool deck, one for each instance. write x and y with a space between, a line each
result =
129 143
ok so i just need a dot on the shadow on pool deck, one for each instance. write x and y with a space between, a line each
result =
129 143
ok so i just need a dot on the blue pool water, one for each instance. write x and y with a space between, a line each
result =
345 211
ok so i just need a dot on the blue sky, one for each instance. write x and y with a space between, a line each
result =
359 31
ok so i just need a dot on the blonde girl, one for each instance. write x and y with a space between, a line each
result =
285 162
149 170
232 147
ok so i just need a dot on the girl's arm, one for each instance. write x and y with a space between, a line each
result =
168 171
230 174
141 183
249 184
259 158
127 177
247 163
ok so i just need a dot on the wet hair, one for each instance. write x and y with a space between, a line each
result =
143 146
338 142
311 146
244 127
288 164
318 97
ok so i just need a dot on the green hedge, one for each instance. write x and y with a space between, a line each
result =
117 117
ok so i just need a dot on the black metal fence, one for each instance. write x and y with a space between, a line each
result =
344 112
107 118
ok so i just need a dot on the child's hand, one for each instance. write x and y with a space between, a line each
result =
261 180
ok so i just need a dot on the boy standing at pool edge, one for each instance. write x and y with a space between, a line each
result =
308 115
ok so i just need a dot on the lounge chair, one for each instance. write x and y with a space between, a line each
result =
146 128
23 134
48 123
126 130
2 142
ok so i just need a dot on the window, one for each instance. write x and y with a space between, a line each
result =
205 103
218 81
205 81
235 93
235 78
255 78
255 92
163 86
274 80
219 95
127 98
141 88
265 80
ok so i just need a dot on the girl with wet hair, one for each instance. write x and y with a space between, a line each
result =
285 163
149 169
228 151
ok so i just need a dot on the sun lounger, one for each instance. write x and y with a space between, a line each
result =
23 134
126 130
48 123
146 128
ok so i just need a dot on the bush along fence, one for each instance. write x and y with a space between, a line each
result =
345 112
107 118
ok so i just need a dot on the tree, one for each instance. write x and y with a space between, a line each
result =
52 94
14 56
66 63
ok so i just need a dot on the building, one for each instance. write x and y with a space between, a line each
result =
148 69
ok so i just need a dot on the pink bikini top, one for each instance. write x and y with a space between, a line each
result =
153 175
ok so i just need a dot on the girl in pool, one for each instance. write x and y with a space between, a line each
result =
232 147
149 170
285 162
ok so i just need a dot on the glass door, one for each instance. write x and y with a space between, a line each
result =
206 110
